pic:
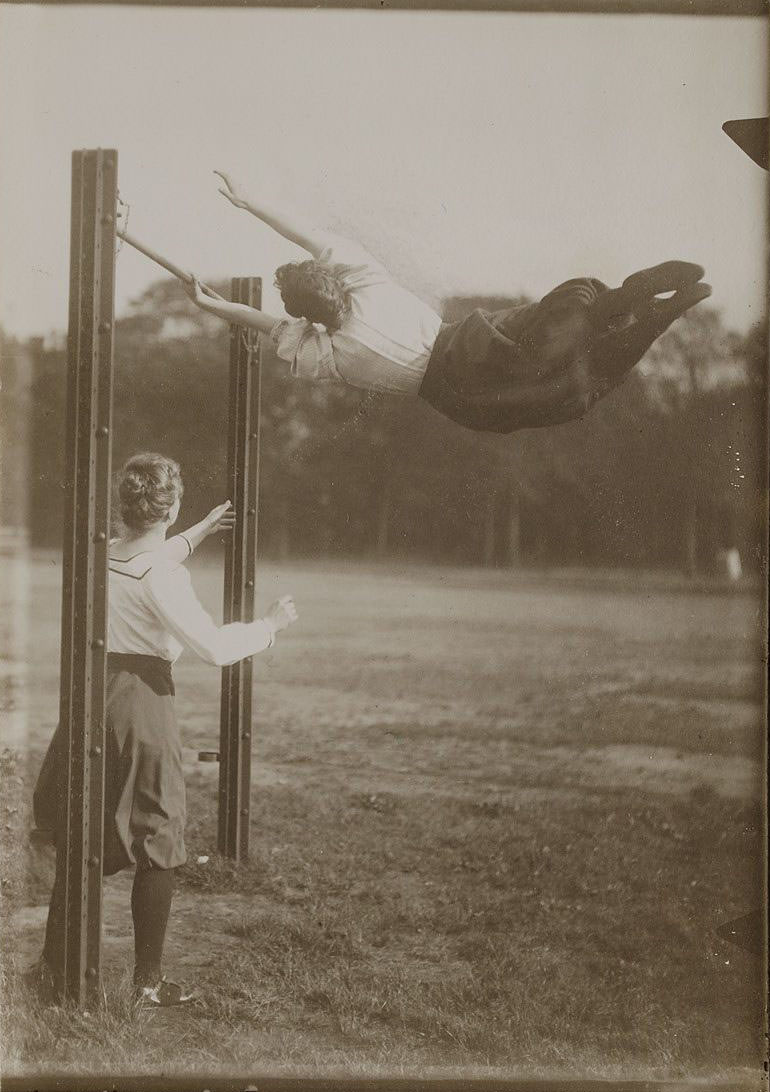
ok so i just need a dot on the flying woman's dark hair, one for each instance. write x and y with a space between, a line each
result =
147 487
313 290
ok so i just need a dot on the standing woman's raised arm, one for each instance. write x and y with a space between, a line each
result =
291 224
181 545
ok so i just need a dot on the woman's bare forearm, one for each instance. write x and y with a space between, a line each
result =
239 314
291 224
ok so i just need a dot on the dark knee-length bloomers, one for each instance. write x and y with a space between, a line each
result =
144 794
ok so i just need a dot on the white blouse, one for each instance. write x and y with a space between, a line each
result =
385 341
153 610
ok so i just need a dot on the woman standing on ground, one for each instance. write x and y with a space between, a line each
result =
153 612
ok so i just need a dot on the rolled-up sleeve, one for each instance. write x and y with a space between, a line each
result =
172 598
307 348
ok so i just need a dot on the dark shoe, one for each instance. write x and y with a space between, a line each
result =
614 355
666 277
617 308
163 994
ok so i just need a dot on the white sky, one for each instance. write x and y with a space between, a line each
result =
492 153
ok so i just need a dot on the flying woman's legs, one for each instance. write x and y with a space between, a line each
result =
579 311
545 364
601 364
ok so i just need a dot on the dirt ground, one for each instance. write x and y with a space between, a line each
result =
451 769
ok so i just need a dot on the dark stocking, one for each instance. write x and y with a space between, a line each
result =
150 906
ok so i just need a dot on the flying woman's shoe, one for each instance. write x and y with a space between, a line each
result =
665 277
619 306
163 994
611 357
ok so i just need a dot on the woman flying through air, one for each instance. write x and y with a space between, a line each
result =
528 366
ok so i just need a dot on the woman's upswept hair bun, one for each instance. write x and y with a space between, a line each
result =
147 487
314 291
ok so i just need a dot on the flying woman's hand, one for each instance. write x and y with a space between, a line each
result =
196 291
281 613
221 518
237 314
233 192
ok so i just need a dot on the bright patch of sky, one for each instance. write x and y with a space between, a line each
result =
471 152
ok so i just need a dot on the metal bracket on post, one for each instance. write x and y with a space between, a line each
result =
87 469
240 569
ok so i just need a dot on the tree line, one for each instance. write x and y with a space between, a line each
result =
667 471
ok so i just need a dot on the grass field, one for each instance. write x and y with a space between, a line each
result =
497 819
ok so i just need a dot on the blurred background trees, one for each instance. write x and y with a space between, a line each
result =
669 471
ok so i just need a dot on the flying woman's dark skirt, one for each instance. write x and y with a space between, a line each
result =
546 363
144 794
498 371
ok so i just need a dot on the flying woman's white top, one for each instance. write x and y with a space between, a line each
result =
384 342
154 611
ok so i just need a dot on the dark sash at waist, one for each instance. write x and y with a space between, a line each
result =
152 670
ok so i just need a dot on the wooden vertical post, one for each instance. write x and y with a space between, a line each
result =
87 473
240 568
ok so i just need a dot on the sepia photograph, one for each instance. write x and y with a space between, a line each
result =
383 546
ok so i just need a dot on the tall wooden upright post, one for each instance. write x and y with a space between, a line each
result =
240 568
87 471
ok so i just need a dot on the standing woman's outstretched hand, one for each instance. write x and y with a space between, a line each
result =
281 613
221 518
234 193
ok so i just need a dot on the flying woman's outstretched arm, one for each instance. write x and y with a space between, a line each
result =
240 314
293 225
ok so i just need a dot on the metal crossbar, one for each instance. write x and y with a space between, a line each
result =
164 263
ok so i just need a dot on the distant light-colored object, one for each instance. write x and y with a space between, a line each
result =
729 562
202 860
